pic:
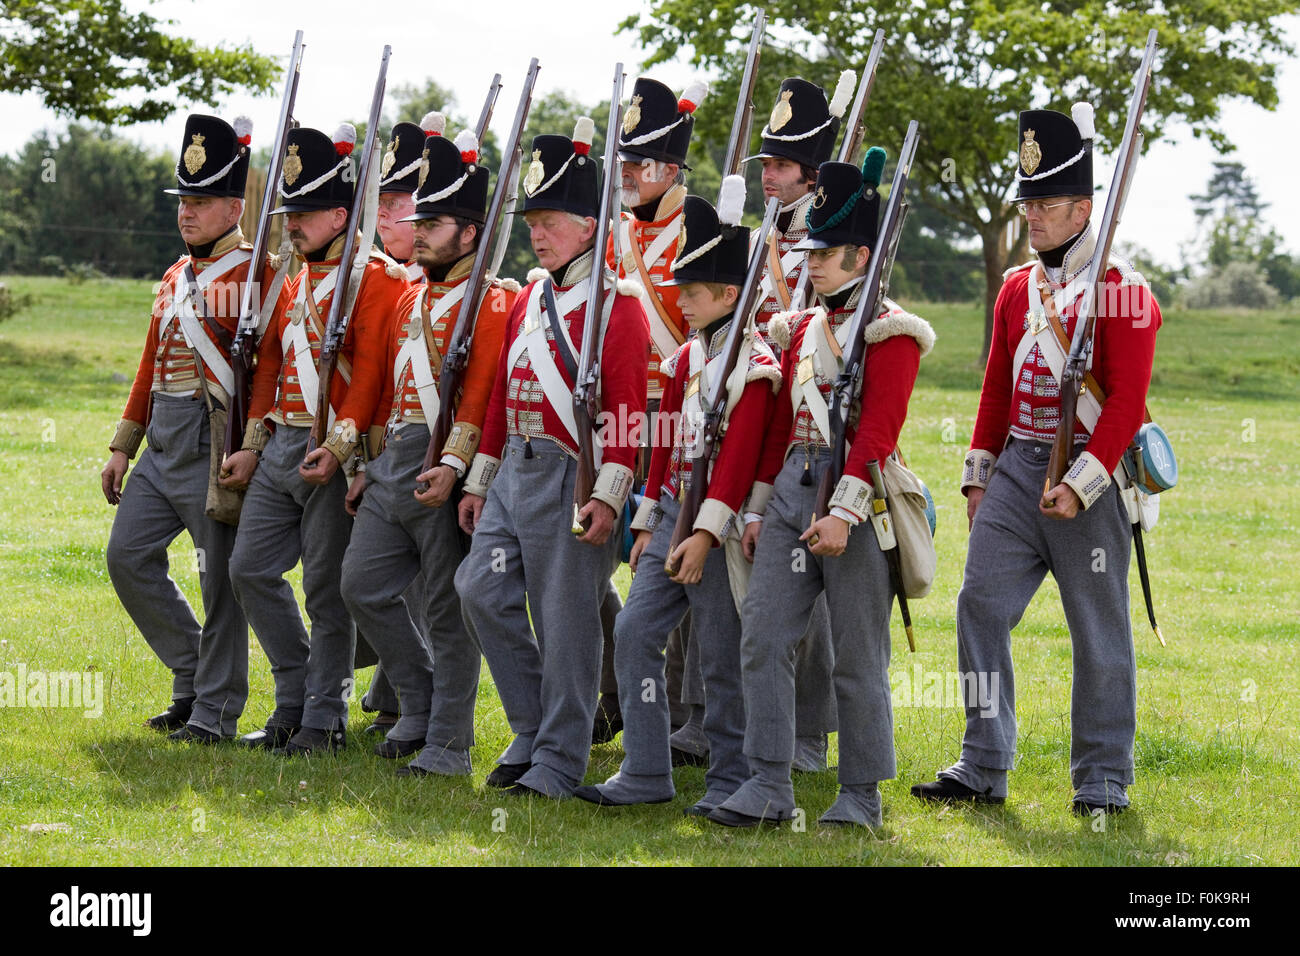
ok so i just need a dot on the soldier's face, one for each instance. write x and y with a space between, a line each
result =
310 231
703 303
828 269
645 180
396 236
440 241
1050 225
203 219
557 237
784 179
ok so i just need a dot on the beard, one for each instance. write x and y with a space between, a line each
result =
631 196
431 256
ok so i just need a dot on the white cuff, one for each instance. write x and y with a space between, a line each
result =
752 517
481 473
977 469
715 518
613 485
455 464
1088 477
647 516
852 519
759 496
852 495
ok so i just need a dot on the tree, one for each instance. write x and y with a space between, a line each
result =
965 69
94 60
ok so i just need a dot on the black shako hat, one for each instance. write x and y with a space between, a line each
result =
451 182
214 157
1055 153
803 126
562 175
713 246
399 170
657 124
318 171
846 204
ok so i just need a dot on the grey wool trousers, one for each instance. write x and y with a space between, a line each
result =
1012 548
165 495
655 606
286 519
522 551
785 585
395 541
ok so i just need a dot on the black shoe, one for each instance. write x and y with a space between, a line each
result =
507 774
608 722
311 740
382 724
593 795
699 810
173 718
730 818
392 749
196 735
411 770
268 738
519 790
953 791
684 758
1082 808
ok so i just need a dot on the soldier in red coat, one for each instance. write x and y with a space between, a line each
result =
1019 531
185 374
294 505
519 493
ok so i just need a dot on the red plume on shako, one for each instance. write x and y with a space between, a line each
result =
345 139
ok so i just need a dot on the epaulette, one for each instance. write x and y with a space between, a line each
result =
669 367
1014 269
1128 273
763 365
509 285
898 321
628 287
782 325
392 268
537 274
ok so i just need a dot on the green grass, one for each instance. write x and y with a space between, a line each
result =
1218 725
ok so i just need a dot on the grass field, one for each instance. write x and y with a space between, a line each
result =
1218 746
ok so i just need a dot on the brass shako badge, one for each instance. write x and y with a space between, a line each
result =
195 154
1031 154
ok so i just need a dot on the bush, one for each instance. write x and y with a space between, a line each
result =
1236 285
79 272
11 304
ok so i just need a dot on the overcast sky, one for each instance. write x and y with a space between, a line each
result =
461 45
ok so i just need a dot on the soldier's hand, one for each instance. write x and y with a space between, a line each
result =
639 545
973 499
111 477
441 479
1060 503
828 537
689 556
749 540
602 518
470 511
318 467
352 500
237 470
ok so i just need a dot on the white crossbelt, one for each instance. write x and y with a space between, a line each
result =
181 307
1040 333
788 263
816 349
415 353
295 335
664 341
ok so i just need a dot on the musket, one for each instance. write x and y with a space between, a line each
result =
742 123
715 402
244 347
851 381
854 129
462 335
336 327
490 104
588 374
1079 360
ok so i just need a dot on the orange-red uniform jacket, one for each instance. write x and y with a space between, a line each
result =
395 399
167 363
667 216
897 340
1026 403
277 393
519 406
734 462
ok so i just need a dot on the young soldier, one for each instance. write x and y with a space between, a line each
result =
1018 532
709 273
294 506
653 142
849 568
403 535
523 546
399 173
185 367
